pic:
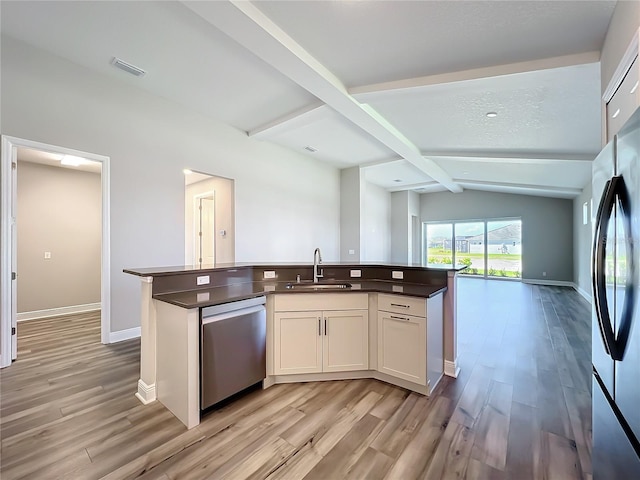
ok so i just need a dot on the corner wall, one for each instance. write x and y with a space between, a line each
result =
582 235
547 226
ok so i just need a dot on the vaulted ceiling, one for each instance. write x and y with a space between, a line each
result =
400 88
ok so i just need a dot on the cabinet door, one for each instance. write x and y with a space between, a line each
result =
624 102
346 340
402 346
297 345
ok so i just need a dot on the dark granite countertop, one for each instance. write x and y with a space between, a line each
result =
241 291
185 269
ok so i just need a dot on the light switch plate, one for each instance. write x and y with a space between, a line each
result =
203 280
269 274
396 275
356 273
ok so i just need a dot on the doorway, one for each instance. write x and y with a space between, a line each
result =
12 149
209 219
204 229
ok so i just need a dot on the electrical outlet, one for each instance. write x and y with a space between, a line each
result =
203 280
356 273
47 255
352 251
396 275
269 274
544 274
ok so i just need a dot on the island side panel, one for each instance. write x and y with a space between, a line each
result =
451 368
178 366
147 382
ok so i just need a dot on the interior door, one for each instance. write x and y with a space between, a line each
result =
207 230
14 256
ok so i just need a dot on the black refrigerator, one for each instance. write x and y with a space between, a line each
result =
616 307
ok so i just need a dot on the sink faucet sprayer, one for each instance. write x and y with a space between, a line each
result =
317 260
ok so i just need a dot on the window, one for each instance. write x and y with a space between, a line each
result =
489 248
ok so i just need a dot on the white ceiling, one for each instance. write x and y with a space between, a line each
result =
400 88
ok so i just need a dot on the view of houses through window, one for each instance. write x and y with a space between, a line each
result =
490 248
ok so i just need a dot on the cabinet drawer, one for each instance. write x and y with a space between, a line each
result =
303 302
401 304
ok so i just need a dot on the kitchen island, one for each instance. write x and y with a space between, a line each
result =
359 301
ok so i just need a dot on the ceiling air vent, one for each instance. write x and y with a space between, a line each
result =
127 67
311 149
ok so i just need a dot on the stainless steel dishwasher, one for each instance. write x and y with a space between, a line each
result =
232 348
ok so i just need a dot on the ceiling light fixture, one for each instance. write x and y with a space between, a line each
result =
311 149
71 161
492 114
127 67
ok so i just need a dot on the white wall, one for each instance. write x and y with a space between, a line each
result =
59 211
582 242
286 203
375 223
623 26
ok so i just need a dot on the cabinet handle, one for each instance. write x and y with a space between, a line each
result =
399 318
399 305
325 326
319 327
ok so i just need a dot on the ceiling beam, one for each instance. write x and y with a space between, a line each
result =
247 25
476 73
521 187
521 158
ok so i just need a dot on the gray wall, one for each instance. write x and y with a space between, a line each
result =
405 235
59 211
375 223
547 226
350 203
286 203
582 242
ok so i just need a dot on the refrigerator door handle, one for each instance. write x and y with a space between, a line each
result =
614 191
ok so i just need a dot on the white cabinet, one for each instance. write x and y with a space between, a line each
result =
622 95
297 342
346 341
312 340
402 346
410 340
624 102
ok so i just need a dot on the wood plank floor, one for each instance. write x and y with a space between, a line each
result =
520 409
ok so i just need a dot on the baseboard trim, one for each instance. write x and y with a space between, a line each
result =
54 312
451 369
555 283
582 292
122 335
146 393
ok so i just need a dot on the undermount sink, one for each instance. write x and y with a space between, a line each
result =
317 286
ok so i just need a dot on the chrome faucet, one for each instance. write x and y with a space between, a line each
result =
317 260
